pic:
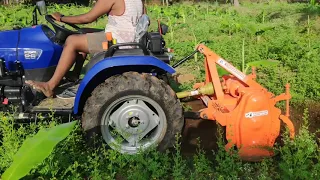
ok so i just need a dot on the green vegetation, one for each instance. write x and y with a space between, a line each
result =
73 159
34 150
284 32
288 33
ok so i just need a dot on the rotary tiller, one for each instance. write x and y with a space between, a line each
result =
245 107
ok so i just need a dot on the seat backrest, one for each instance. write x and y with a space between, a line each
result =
142 27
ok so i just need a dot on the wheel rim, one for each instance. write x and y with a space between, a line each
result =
139 121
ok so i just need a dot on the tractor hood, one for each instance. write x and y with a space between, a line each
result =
8 44
33 46
9 38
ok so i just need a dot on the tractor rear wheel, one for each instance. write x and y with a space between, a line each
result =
138 109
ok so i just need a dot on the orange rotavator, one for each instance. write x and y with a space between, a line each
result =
241 104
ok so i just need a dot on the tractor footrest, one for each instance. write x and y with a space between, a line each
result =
54 105
57 105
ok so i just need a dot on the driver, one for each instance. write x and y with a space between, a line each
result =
122 18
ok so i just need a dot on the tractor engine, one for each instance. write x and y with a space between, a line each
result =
21 60
10 94
12 91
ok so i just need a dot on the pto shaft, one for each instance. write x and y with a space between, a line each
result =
205 90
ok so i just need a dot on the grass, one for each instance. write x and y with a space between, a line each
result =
73 159
273 31
285 32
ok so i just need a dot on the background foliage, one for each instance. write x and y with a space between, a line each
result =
285 32
272 30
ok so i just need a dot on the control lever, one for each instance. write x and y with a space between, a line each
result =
185 59
2 70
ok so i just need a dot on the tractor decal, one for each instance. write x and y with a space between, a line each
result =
231 69
256 114
32 54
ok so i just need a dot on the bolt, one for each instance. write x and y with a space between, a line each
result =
135 122
205 116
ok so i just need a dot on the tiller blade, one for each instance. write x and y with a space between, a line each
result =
241 104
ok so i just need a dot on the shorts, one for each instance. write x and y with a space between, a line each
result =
95 41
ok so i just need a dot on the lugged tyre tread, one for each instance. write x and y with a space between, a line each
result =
151 86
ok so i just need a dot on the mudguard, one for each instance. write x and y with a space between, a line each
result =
120 61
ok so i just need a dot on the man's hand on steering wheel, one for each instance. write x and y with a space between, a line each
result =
57 16
61 31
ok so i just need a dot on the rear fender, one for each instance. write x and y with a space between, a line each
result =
116 65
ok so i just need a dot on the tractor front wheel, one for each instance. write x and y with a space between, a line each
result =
134 111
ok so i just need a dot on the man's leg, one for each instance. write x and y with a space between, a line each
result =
73 45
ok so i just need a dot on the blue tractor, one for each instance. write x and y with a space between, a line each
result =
124 92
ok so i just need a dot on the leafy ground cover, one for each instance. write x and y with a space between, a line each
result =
274 31
73 159
285 32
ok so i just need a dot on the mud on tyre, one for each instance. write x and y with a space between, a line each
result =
140 108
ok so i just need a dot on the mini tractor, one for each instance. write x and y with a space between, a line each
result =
125 91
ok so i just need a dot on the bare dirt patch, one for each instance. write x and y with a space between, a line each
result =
183 75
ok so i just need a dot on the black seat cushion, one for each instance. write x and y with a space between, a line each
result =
129 52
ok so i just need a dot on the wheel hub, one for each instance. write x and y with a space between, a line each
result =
133 120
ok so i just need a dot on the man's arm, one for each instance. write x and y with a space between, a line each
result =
100 8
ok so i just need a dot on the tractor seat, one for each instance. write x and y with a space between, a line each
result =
129 52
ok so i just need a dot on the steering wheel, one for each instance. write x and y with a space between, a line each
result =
62 32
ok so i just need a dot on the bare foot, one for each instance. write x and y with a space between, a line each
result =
41 86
